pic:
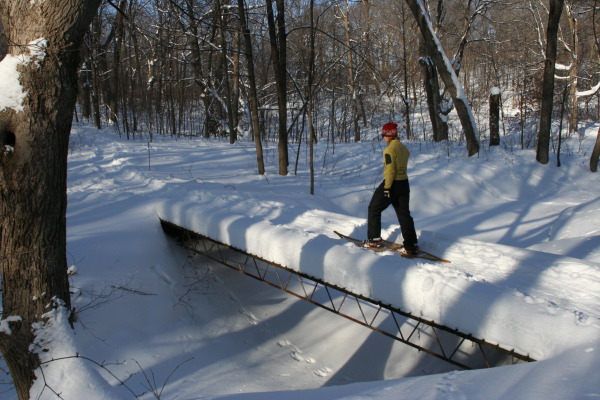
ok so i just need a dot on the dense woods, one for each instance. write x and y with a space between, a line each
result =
188 67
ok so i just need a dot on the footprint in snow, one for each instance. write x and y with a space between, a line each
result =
323 372
296 356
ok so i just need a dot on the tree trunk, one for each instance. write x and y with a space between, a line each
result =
595 154
543 146
85 98
434 50
311 71
432 90
235 84
115 78
350 69
210 123
253 97
33 170
573 107
409 134
96 82
495 117
278 38
225 82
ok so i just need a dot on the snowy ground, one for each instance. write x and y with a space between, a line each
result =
175 327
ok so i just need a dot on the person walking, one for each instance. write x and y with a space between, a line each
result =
394 190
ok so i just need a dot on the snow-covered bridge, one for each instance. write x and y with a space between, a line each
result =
491 302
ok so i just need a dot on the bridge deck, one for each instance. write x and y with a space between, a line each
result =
455 347
537 304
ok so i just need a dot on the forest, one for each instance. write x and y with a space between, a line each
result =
185 67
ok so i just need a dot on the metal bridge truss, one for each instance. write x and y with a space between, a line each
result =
457 348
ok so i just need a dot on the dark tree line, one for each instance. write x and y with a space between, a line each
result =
181 67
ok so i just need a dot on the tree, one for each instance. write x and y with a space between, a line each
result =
310 96
439 107
278 40
543 146
434 50
45 39
229 105
595 154
253 95
495 117
439 125
573 46
345 16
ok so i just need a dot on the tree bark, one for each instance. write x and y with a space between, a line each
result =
434 50
432 90
543 146
495 118
33 174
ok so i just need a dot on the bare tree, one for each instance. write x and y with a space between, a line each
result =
495 117
46 38
252 96
434 50
115 78
543 146
278 40
344 11
596 152
574 47
229 105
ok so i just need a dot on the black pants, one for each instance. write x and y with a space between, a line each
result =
399 199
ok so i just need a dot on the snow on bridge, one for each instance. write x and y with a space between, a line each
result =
536 303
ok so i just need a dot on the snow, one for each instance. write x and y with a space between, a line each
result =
589 92
11 91
153 322
4 323
37 49
10 87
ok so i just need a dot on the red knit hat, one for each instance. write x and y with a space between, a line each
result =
390 130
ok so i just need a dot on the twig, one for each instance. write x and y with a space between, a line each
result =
119 287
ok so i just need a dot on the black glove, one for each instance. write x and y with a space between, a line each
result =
386 193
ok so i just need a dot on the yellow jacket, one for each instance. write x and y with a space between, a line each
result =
395 160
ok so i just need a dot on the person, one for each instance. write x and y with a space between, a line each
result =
393 190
